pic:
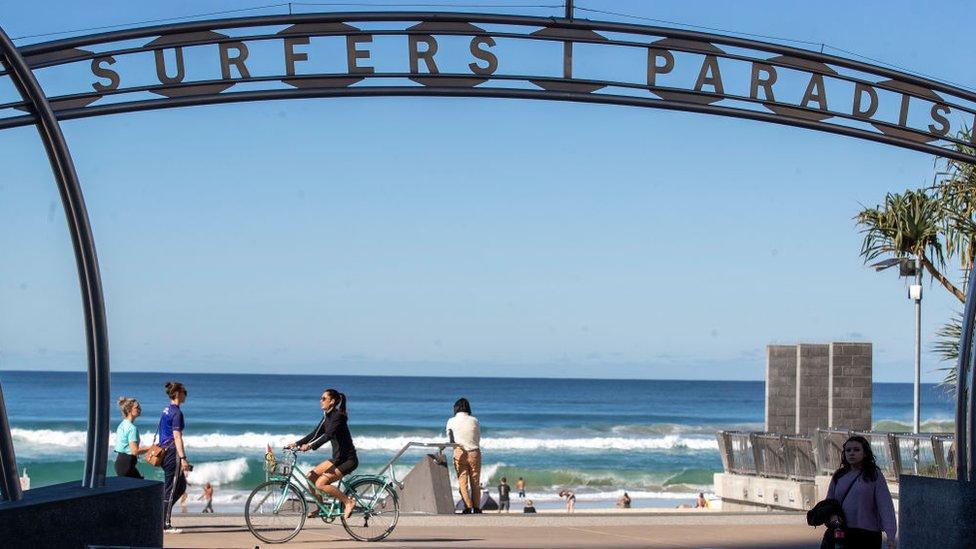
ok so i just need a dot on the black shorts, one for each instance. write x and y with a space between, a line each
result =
125 465
346 466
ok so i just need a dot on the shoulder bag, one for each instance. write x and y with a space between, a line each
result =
156 454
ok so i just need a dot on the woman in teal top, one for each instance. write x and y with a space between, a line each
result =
127 439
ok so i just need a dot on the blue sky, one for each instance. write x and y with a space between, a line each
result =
487 237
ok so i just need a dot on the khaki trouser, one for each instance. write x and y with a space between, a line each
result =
468 466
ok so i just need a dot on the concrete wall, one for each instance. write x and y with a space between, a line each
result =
781 388
812 387
127 512
938 513
427 487
745 492
850 386
751 493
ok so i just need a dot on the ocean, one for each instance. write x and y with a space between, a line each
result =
654 439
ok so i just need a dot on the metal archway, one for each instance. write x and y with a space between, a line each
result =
673 69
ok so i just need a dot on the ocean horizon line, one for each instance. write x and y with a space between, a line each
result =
527 378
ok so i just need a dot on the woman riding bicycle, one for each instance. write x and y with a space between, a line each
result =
333 427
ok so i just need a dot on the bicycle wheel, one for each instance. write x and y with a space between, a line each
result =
275 511
376 513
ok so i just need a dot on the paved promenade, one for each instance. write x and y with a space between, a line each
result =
665 530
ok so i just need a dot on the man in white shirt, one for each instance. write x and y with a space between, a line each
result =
464 430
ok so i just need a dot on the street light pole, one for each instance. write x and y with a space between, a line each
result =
917 295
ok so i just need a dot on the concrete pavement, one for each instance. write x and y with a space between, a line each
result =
677 530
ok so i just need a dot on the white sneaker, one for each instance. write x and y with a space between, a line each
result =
172 530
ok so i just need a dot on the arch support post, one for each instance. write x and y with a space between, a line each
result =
96 330
965 397
9 482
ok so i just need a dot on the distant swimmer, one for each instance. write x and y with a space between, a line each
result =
504 491
208 498
701 502
624 501
570 500
520 486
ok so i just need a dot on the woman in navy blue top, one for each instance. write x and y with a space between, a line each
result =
332 428
175 464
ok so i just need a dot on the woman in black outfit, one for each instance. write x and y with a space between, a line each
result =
334 428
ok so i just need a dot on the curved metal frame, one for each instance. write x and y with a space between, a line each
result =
20 63
96 330
965 396
69 50
9 483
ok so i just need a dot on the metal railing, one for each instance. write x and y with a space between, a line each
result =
799 457
767 454
389 465
924 454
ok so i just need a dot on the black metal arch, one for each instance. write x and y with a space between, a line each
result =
96 329
870 78
46 111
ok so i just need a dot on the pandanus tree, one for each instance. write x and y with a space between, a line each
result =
931 224
907 225
956 185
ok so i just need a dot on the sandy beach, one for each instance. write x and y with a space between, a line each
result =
637 528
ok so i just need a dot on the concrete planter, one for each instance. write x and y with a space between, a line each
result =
126 512
936 512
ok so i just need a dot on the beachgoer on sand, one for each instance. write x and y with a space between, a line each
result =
570 500
529 507
175 463
504 491
624 501
520 486
127 448
333 427
207 496
701 502
464 430
862 491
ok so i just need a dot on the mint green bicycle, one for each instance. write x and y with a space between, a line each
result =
276 510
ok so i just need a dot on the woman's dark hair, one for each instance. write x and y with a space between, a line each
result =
340 399
174 388
462 405
868 465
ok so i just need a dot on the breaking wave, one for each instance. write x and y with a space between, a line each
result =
47 439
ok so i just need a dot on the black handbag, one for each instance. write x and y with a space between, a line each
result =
826 510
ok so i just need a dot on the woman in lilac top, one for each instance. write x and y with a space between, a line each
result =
863 493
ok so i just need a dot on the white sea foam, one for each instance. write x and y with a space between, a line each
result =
41 439
612 495
487 472
48 437
218 472
532 443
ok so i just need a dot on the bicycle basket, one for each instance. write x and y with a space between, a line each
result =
281 466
